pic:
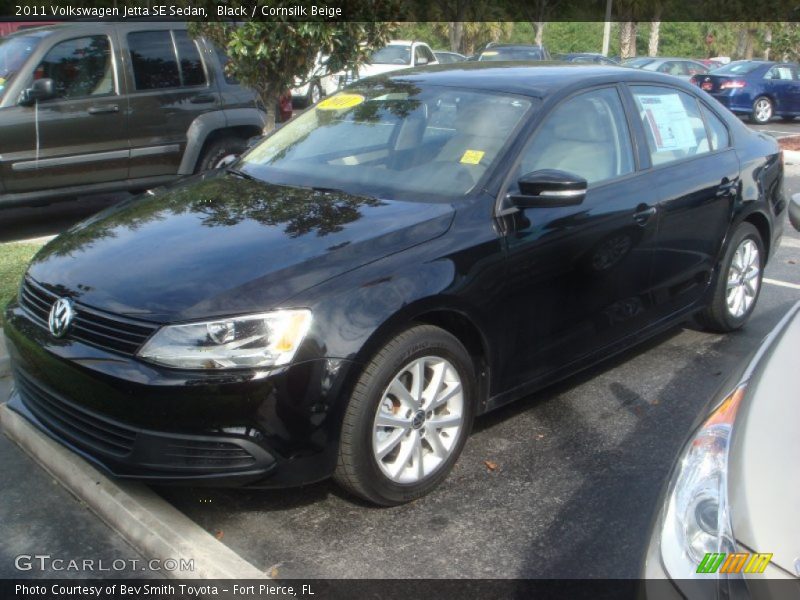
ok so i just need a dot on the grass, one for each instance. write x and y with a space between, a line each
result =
14 259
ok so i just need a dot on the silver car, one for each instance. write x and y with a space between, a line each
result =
729 524
684 68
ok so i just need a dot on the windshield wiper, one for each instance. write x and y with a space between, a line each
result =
241 174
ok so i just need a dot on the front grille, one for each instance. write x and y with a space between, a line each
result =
73 422
96 328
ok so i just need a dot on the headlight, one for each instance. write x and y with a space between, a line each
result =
264 340
697 518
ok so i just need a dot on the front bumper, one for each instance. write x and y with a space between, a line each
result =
131 419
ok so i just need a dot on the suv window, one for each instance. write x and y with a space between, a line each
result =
672 123
155 62
223 58
716 129
587 135
79 67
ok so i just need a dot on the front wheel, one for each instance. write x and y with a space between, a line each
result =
221 153
738 282
762 110
408 417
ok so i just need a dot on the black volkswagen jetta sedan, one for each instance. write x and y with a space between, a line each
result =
412 252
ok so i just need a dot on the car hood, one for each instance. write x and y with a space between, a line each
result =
764 485
223 244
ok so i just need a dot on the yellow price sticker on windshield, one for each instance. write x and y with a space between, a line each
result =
472 157
341 102
2 81
489 53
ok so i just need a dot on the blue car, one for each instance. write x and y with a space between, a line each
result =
760 89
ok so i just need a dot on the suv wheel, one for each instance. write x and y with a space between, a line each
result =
738 282
221 153
408 417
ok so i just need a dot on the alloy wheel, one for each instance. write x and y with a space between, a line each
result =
743 279
763 110
419 420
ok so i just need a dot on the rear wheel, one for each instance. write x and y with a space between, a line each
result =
738 282
221 153
408 417
762 110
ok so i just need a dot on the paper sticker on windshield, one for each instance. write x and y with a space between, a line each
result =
340 102
489 53
669 122
472 157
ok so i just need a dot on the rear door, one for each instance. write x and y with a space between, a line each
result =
697 177
781 82
169 86
78 138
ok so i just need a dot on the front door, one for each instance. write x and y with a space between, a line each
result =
578 275
79 137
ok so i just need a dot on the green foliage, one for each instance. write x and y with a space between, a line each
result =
271 56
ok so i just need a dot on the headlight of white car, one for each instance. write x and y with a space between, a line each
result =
263 340
697 520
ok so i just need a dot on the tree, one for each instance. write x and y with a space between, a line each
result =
652 46
273 56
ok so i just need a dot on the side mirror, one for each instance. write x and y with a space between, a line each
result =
422 61
548 187
42 89
794 211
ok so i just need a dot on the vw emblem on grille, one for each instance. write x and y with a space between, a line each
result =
61 316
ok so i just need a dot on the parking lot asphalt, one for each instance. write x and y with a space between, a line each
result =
561 484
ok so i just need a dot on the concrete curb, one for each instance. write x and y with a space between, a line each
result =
791 157
145 520
5 363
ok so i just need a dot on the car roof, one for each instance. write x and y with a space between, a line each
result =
78 26
535 78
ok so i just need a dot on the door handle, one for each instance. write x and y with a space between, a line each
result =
102 110
643 214
727 186
203 99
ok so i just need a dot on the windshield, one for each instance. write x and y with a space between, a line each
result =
512 54
394 54
392 140
737 68
14 51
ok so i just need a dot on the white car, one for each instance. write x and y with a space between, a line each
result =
396 55
318 84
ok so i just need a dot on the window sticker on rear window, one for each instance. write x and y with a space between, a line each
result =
472 157
669 121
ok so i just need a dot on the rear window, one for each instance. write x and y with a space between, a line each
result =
737 68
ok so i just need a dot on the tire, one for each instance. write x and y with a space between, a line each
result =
314 93
763 110
398 476
220 153
722 313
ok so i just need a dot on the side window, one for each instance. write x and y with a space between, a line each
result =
418 54
79 68
695 69
716 129
153 58
672 123
428 53
586 135
192 72
782 73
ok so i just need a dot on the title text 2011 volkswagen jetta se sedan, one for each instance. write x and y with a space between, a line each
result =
412 252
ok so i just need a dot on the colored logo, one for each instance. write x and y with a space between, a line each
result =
738 562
